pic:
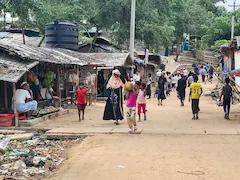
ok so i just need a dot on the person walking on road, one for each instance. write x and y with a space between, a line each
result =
211 72
227 96
81 101
169 83
149 86
114 105
161 88
190 79
196 69
185 72
174 82
131 107
203 73
194 95
182 84
207 67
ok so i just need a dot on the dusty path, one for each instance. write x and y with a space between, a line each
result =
153 156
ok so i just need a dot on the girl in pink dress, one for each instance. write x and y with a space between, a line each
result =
141 100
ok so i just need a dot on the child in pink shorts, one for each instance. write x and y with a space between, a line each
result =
141 100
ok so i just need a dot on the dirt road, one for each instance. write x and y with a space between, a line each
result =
153 155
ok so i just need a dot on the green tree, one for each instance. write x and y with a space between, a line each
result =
152 25
219 43
4 8
48 11
219 27
23 9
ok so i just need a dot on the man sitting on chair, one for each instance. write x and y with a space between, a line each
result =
24 100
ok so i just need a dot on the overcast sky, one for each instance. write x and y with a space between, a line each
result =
229 2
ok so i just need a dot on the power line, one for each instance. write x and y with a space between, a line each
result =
234 6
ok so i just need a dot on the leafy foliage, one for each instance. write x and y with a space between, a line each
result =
48 11
159 23
22 8
219 43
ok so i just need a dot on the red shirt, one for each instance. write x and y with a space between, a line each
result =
81 94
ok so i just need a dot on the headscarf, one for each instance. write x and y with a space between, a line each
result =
114 82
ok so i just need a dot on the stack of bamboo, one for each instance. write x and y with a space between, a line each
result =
235 91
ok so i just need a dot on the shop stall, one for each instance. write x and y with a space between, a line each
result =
55 70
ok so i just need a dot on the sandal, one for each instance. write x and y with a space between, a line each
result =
116 123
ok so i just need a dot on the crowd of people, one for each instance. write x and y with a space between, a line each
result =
182 79
137 92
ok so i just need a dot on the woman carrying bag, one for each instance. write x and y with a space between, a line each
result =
114 105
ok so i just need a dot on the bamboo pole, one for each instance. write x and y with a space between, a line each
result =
96 83
25 77
15 105
58 86
5 95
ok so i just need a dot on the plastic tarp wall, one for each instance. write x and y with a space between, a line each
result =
237 64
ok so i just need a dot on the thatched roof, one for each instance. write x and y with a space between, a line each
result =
112 59
16 38
50 55
13 70
64 56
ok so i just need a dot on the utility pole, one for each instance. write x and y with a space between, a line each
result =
132 30
233 18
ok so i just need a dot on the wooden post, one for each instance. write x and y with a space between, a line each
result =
5 95
66 83
96 87
36 70
15 105
58 86
25 77
145 72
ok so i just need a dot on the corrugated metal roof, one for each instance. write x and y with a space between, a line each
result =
7 37
3 34
112 59
64 56
50 55
13 70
